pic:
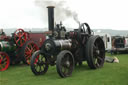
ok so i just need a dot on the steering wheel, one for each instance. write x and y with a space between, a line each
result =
20 37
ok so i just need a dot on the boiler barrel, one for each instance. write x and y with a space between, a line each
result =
6 47
50 44
63 44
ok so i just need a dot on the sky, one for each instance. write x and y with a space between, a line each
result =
99 14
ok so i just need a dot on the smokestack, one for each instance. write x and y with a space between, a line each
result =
51 18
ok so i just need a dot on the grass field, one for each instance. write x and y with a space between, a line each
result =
110 74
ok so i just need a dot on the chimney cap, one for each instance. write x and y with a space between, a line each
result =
50 6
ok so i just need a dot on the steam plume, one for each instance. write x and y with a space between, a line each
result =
62 11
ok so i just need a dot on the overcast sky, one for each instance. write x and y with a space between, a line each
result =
100 14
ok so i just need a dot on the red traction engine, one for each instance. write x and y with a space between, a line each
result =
19 47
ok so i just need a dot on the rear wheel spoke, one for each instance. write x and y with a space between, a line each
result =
28 49
5 59
100 58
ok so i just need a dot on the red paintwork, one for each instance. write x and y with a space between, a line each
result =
29 50
20 37
39 38
4 61
36 60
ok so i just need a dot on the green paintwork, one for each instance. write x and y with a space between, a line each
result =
6 47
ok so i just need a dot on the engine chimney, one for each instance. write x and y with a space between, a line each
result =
51 18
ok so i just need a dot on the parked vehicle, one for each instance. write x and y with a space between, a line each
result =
18 47
114 44
65 49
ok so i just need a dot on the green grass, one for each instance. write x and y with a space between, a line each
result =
110 74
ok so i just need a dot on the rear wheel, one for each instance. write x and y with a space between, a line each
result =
4 61
27 50
65 63
39 63
95 52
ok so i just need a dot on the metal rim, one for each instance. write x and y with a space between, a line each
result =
39 63
95 52
98 53
20 37
4 61
29 50
65 64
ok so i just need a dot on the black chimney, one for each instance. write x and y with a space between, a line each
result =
51 18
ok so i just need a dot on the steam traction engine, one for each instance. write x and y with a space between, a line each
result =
64 49
19 46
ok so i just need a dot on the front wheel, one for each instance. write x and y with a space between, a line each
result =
39 65
65 63
4 61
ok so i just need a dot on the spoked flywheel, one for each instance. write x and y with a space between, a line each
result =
83 29
95 52
65 63
20 37
39 63
4 61
27 50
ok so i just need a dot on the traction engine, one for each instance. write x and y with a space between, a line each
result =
18 47
65 49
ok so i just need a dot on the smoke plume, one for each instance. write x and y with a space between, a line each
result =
62 11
